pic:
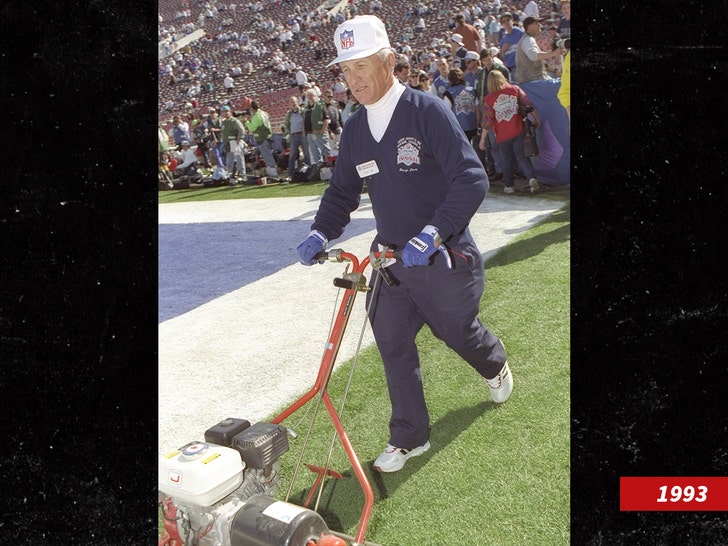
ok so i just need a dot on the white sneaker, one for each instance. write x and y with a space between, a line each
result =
501 385
509 189
533 183
393 458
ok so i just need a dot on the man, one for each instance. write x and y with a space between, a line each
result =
214 128
511 36
470 35
530 60
301 78
232 132
316 126
472 68
229 83
352 105
259 125
441 83
402 70
180 131
425 183
332 110
293 124
189 163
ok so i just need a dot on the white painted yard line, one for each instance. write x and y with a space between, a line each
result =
249 210
249 352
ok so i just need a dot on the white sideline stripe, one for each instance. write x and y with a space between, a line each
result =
251 351
250 210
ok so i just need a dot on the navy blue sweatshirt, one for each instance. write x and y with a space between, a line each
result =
428 174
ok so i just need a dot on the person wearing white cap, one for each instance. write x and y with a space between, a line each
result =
189 163
425 183
229 83
472 67
457 51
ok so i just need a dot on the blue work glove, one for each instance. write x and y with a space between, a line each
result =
419 249
315 243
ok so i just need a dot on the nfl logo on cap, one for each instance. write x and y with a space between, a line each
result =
359 37
347 39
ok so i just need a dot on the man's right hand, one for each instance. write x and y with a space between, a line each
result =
315 243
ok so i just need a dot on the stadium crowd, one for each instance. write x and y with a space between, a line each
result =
242 85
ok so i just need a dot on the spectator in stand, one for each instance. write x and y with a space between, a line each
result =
492 27
293 124
502 113
332 109
229 83
564 27
441 83
457 51
301 78
511 37
531 10
425 84
461 98
402 70
352 105
472 68
338 86
414 80
470 35
316 126
180 131
259 125
530 60
233 133
188 166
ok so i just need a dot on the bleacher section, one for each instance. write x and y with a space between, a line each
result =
262 21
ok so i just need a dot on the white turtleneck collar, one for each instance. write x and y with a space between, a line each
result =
380 113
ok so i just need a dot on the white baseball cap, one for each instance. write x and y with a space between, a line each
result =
457 38
360 37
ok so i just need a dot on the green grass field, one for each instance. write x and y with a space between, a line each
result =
242 192
495 475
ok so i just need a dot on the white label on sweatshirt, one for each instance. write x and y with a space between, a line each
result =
367 169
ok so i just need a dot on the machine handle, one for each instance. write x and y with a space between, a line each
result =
338 255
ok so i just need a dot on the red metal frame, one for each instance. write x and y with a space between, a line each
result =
321 386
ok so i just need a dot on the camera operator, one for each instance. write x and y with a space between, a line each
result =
560 47
530 59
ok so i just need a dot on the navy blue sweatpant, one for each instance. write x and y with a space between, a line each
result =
448 302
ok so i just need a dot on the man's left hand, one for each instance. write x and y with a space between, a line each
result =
419 249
